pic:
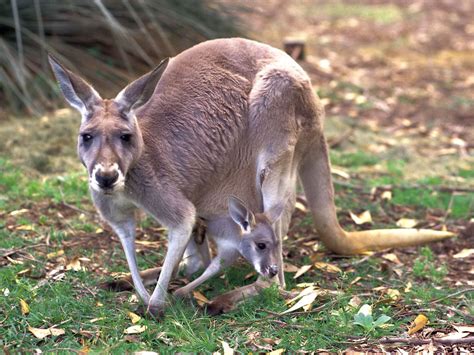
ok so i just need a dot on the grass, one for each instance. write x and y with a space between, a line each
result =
95 319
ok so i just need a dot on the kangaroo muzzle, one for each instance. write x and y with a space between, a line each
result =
106 178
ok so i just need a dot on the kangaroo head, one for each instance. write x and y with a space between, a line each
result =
259 244
110 140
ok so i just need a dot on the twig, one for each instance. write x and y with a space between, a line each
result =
460 292
415 341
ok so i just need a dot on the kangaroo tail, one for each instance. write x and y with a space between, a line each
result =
315 175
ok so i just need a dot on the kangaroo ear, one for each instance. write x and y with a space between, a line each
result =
139 91
240 214
76 90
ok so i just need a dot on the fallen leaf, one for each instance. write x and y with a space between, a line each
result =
309 288
340 172
408 286
305 302
386 195
226 349
406 223
135 329
98 230
355 302
302 270
135 318
96 319
200 298
74 264
327 267
290 268
25 309
392 257
464 328
393 294
18 212
276 352
454 336
356 280
419 322
27 227
55 254
250 275
300 206
43 333
464 253
364 217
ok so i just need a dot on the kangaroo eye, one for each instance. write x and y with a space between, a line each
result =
126 137
261 246
86 137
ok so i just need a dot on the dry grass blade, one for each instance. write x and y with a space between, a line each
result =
108 42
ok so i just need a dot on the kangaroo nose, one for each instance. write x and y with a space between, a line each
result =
273 270
106 180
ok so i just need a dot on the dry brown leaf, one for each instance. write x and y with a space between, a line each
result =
340 172
408 286
406 223
25 309
96 319
135 318
276 352
393 294
364 217
355 302
27 227
392 257
200 298
455 336
304 302
290 268
43 333
226 349
74 264
135 329
464 328
250 275
302 270
18 212
419 322
386 195
356 280
300 206
327 267
464 254
55 254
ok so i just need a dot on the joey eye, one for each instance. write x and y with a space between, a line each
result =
261 246
86 137
126 137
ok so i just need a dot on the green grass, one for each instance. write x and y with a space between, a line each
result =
96 319
383 14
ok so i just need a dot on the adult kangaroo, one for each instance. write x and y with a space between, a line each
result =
225 117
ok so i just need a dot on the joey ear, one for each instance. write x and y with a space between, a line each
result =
274 213
139 91
240 214
76 90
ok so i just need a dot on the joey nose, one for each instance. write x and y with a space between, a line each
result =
273 270
106 180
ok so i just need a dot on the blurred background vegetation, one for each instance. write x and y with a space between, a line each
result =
109 42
